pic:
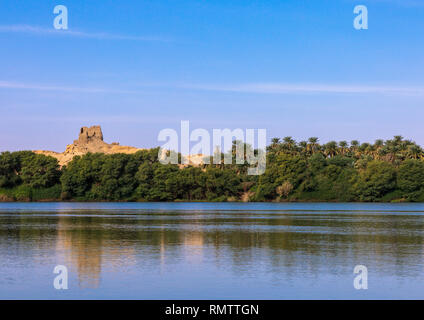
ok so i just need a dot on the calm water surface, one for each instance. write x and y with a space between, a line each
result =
211 250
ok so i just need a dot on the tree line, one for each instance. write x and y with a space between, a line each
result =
391 170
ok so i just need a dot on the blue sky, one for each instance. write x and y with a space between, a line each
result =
294 67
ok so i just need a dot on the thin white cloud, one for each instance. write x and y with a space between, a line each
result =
283 88
40 87
73 33
404 3
249 88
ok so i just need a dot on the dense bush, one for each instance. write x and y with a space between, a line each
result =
307 171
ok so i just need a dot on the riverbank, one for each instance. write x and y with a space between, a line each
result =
294 173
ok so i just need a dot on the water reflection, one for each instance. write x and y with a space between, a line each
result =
81 246
285 246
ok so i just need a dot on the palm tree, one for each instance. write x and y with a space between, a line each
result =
414 151
330 149
313 144
397 139
303 147
378 145
392 148
275 141
354 143
365 148
343 147
354 148
275 144
289 144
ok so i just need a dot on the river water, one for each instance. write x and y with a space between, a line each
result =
211 250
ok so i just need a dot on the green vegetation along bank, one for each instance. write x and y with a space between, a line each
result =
386 171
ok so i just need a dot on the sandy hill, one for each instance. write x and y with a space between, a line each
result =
89 140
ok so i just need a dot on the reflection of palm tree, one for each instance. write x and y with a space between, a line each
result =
84 251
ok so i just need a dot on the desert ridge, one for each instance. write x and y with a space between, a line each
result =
89 140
